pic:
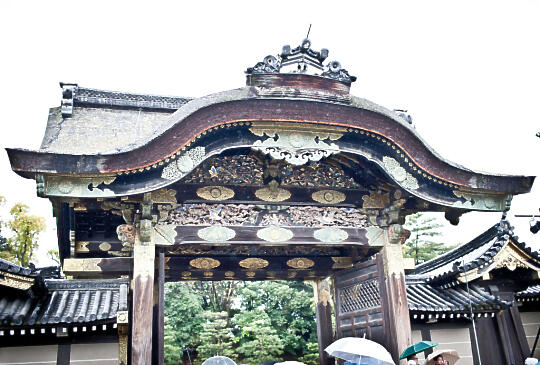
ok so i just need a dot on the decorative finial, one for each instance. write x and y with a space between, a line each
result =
299 59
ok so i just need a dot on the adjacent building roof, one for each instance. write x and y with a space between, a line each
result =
532 293
66 302
427 299
49 300
480 255
438 287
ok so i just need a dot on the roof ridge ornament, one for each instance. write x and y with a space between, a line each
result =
303 57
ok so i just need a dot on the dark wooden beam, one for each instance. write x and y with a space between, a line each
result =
98 267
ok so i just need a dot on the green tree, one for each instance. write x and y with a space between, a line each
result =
289 306
216 337
217 296
5 250
420 245
183 319
26 229
257 340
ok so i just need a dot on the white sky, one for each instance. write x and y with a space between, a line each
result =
468 72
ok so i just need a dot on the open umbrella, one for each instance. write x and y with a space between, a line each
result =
448 355
360 351
417 347
218 360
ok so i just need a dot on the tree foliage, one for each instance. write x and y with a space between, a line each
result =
183 320
26 229
257 340
216 337
420 246
290 308
251 322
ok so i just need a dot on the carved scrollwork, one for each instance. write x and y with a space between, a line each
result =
16 281
294 144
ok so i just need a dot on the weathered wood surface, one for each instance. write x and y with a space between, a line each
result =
143 290
324 320
98 267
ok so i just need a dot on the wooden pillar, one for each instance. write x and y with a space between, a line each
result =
143 290
324 320
159 312
394 294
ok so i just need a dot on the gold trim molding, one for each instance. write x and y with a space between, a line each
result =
215 193
205 263
16 281
328 196
300 263
253 263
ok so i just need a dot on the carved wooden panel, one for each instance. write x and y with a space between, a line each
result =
358 302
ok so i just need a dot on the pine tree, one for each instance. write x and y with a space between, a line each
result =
420 246
216 337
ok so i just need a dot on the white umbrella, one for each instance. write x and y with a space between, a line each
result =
218 360
360 351
448 355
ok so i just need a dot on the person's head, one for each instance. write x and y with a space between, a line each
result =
412 360
439 360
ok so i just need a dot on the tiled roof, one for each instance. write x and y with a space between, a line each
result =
66 302
10 267
429 299
532 293
86 96
476 253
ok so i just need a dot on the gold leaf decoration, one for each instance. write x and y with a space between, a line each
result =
208 274
205 263
275 234
328 196
253 263
250 274
164 196
229 274
80 246
215 193
342 262
105 246
291 274
375 200
300 263
186 273
273 193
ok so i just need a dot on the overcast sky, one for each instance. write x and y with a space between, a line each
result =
468 72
